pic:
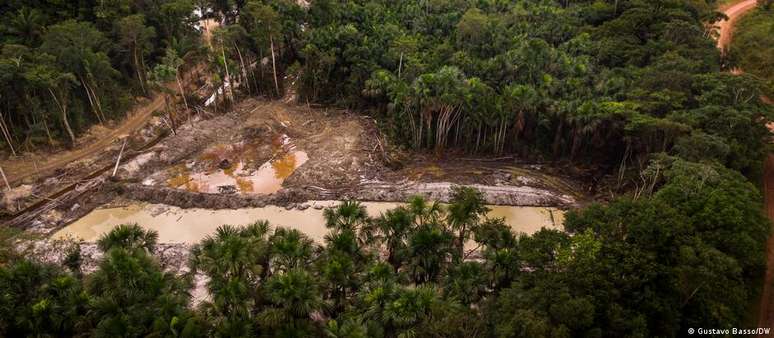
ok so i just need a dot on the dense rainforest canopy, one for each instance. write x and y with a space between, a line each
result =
65 65
592 81
635 87
602 82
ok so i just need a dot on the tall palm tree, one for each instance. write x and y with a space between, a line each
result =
235 260
500 250
430 251
39 300
391 230
411 307
466 282
424 212
132 296
28 25
465 209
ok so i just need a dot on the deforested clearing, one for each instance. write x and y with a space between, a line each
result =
384 168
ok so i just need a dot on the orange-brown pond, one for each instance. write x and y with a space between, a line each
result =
224 168
176 225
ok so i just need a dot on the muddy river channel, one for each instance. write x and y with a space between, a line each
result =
176 225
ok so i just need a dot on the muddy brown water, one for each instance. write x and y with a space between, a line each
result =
175 225
266 180
241 173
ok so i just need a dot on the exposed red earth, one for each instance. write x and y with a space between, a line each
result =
734 12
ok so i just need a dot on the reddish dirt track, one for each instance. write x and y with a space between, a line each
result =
734 12
766 314
17 170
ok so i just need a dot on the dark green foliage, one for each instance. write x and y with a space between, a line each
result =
673 253
752 46
593 81
634 85
131 296
40 300
65 65
650 266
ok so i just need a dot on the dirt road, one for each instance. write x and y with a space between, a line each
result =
18 170
734 12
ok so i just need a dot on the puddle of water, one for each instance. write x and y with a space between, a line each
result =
266 180
240 172
176 225
528 220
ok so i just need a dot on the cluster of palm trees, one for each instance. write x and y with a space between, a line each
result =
384 274
394 275
419 270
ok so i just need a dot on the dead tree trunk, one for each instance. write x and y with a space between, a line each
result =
137 69
182 93
118 160
63 109
274 66
48 132
5 179
6 133
91 101
244 69
228 76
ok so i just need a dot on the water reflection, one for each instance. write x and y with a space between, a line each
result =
231 168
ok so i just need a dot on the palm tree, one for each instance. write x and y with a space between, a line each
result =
391 230
348 328
235 260
465 209
424 212
410 308
500 248
28 24
132 296
340 265
129 237
233 252
430 248
379 288
290 249
466 282
349 215
293 298
39 300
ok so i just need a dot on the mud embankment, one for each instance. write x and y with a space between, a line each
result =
524 196
293 197
188 199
